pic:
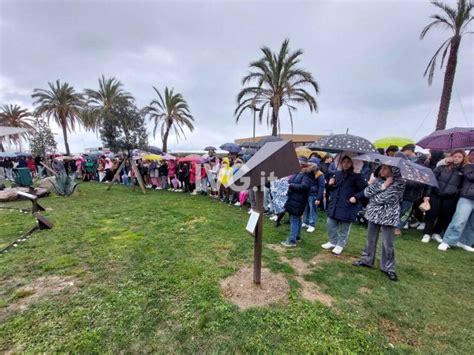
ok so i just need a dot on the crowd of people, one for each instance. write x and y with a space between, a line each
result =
349 190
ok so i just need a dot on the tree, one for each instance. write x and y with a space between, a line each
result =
99 102
123 127
42 141
14 116
172 112
62 103
456 20
275 81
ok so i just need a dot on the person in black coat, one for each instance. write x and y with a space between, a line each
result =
298 190
347 191
443 200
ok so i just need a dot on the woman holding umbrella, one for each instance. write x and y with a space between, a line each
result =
383 213
443 200
346 190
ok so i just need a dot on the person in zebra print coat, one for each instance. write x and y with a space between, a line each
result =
383 214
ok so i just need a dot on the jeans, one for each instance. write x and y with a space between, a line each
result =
405 211
9 173
338 231
164 182
267 199
295 229
309 216
467 237
464 211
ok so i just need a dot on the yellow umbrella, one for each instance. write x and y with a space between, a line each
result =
152 157
303 152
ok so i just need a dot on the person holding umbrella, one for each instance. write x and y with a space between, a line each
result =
383 215
443 200
346 191
460 225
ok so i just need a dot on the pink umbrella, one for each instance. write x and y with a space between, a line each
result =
192 158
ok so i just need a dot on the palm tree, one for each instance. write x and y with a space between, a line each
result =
62 103
275 81
15 116
100 101
173 113
456 20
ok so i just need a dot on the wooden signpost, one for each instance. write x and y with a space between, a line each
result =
273 160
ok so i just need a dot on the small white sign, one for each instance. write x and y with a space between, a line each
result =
252 223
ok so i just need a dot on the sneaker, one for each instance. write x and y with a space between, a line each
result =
465 247
299 240
391 275
415 224
337 250
443 247
438 238
287 244
273 218
421 226
328 246
406 226
237 204
310 229
304 225
426 238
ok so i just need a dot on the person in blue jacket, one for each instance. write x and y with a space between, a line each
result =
298 190
347 191
315 197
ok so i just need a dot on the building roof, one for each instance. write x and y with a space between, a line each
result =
296 138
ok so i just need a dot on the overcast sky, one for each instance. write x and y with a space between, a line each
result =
365 55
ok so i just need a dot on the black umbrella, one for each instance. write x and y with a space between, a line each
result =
338 143
154 150
409 170
210 147
230 147
269 139
249 145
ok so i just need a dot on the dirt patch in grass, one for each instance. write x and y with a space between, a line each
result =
311 292
364 290
396 336
195 221
276 247
299 265
240 289
31 293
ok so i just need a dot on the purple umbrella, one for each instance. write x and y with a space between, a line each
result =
409 170
448 139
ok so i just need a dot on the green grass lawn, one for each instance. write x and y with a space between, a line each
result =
146 272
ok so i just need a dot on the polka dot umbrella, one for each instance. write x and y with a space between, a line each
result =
409 170
338 143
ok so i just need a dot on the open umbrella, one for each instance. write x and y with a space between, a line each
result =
388 141
210 147
448 139
248 151
269 139
303 152
253 145
409 170
167 156
338 143
8 154
192 158
154 150
230 147
152 157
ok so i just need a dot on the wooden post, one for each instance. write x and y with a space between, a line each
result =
138 175
257 254
117 174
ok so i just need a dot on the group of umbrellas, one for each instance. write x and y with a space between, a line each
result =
364 150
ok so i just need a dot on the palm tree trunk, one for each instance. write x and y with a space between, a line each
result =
66 144
165 139
448 83
275 120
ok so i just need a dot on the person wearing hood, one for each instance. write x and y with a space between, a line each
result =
346 193
298 189
443 200
383 215
461 223
223 178
315 197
